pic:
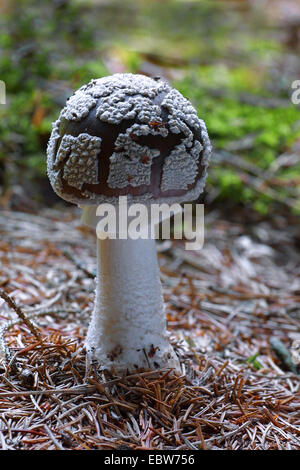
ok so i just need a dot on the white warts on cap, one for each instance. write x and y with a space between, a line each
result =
180 109
131 168
157 110
52 145
181 167
131 164
78 106
79 155
127 96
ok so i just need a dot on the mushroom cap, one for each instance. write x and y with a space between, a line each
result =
128 134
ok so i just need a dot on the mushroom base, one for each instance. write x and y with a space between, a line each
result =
128 325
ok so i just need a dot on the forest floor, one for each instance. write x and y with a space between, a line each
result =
232 307
233 313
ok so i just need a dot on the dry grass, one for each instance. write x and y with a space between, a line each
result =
224 304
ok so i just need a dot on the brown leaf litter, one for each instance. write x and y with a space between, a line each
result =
223 304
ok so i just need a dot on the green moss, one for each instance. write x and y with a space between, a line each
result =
261 206
229 118
254 362
131 59
223 77
63 44
263 46
81 73
37 164
229 181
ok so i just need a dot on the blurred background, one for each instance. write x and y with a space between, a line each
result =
233 308
235 60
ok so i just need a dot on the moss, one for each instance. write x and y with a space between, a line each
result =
63 45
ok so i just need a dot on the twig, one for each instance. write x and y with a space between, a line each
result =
11 303
78 265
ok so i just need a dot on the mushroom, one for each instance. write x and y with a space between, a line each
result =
135 136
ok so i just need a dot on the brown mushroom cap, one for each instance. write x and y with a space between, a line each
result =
128 135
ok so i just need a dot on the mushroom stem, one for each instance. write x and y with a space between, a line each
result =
128 325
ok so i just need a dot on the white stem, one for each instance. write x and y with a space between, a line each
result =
128 325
